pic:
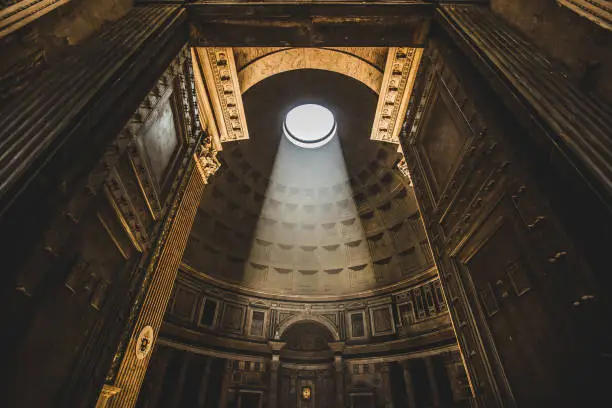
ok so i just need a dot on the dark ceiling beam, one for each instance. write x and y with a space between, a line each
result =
309 24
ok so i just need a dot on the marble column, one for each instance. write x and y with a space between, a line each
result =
338 347
226 382
339 378
273 388
433 384
180 383
162 358
385 372
275 348
408 384
203 392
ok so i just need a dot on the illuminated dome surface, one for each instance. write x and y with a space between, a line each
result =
309 126
285 221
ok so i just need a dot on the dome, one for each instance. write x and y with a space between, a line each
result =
278 219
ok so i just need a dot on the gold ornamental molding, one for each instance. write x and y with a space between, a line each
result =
217 83
207 117
598 11
400 74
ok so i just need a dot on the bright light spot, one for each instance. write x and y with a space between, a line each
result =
309 126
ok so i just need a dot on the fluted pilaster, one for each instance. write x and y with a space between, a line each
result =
134 365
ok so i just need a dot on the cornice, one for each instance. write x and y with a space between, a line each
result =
396 350
424 276
219 78
400 74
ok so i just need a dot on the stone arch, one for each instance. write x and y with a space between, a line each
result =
310 58
302 318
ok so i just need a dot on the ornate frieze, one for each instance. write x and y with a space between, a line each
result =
598 11
400 74
218 73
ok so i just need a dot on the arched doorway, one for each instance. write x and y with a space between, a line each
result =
307 377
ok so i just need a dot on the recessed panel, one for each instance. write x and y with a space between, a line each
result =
161 141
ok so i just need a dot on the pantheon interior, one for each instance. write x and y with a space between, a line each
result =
305 204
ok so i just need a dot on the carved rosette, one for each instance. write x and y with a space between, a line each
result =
398 81
206 159
218 70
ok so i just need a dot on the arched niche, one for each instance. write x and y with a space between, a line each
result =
302 319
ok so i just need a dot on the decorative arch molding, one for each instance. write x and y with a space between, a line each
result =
223 75
303 318
326 59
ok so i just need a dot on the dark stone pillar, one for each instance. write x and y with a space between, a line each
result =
339 379
433 384
386 385
204 382
178 390
274 368
158 372
225 383
408 382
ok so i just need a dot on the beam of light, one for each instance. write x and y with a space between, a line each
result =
309 238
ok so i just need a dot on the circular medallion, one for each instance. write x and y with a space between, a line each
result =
144 342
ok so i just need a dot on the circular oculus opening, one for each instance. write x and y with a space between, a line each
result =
309 126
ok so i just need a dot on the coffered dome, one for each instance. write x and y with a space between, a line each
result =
279 219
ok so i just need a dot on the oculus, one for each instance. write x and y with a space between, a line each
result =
309 126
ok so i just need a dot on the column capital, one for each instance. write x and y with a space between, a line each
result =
107 393
207 161
276 346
